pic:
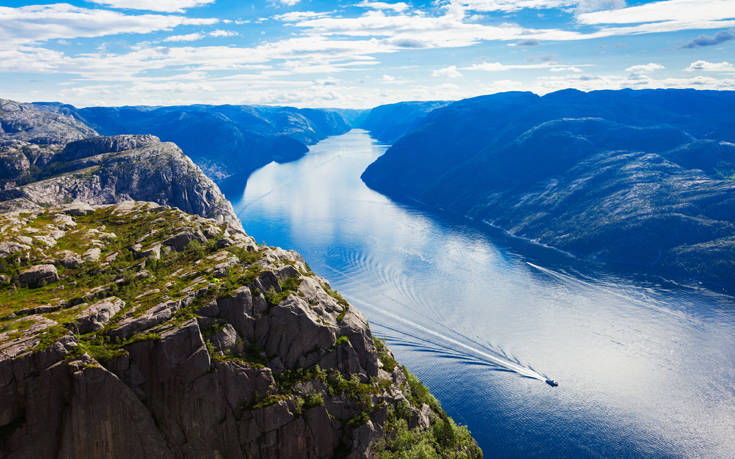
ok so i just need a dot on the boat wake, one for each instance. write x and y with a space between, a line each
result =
461 348
447 343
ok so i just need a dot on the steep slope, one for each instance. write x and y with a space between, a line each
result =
228 142
639 178
388 123
103 170
136 330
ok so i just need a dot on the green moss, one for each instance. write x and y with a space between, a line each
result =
269 400
312 400
50 337
289 286
341 340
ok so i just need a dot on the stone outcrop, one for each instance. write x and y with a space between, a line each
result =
214 350
49 158
25 122
38 276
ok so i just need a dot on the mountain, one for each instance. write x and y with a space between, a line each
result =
161 329
636 178
24 122
228 142
388 123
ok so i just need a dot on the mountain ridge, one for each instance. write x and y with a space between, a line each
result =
632 178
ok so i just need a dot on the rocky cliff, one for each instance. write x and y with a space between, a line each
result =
51 158
640 179
137 330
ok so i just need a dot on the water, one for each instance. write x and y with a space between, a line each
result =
644 369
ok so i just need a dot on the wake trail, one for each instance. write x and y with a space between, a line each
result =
488 357
481 354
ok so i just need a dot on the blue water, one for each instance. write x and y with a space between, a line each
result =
644 368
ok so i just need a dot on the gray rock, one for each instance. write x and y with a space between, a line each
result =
225 340
78 209
39 275
69 259
97 315
11 248
224 242
98 145
182 240
92 254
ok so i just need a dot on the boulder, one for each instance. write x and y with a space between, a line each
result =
92 254
69 259
78 209
97 315
10 248
39 275
182 240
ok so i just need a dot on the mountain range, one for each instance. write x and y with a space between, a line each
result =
640 179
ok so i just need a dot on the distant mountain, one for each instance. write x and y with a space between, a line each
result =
228 142
640 178
388 123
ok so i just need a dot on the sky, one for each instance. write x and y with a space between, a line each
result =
355 53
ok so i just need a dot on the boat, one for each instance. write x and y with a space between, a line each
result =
552 383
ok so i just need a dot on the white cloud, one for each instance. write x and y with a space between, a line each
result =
645 68
222 33
397 7
294 16
711 66
289 2
587 6
169 6
500 67
187 37
36 23
389 78
510 5
682 11
448 72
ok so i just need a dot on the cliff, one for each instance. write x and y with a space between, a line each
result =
136 330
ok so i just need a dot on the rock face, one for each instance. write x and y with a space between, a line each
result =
81 166
216 349
25 122
642 179
38 276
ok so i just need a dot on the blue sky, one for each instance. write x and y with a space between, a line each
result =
355 53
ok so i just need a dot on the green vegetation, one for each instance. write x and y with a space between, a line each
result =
389 363
444 439
289 286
